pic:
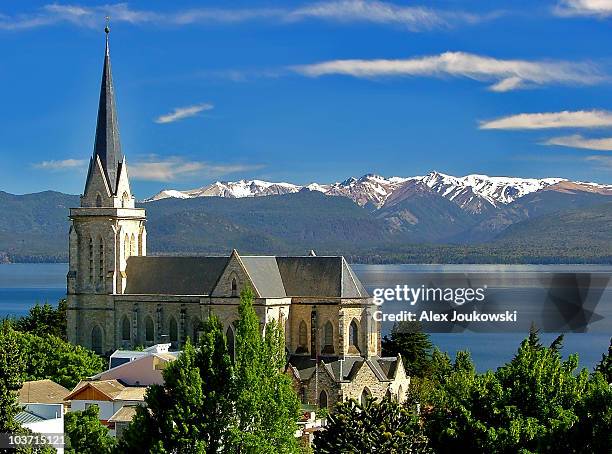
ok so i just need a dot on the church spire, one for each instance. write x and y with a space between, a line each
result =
107 145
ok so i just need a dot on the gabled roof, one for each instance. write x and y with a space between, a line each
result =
263 271
173 275
112 389
124 414
346 369
272 277
42 392
319 277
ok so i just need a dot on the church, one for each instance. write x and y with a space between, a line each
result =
118 297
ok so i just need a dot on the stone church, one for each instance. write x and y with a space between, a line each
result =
118 297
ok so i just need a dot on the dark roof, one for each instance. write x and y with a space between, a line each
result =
319 277
273 277
107 144
383 368
173 275
265 275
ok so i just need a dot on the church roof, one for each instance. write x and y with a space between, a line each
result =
272 277
173 275
319 276
107 145
345 369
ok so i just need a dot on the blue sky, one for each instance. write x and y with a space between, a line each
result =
303 92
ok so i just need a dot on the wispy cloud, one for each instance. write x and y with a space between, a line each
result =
505 75
413 18
180 113
60 164
597 8
602 161
550 120
175 168
578 141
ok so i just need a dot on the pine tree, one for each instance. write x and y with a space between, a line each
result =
409 340
267 406
192 412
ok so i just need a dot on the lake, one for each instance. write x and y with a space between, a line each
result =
23 285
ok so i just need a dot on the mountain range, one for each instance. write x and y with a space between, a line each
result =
432 218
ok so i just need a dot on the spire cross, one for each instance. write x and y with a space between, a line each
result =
107 28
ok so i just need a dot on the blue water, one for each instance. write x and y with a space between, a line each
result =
23 285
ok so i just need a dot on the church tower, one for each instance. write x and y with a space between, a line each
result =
105 230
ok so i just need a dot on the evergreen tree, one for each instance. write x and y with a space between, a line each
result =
11 373
605 365
85 434
192 412
386 427
266 404
409 340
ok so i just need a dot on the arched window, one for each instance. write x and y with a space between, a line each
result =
328 338
173 331
149 330
97 339
126 329
388 394
365 395
98 200
400 394
124 200
133 245
196 325
126 246
101 260
231 342
91 260
234 287
354 334
303 338
323 399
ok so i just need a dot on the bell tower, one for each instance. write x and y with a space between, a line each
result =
105 230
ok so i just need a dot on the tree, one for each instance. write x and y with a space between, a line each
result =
47 356
605 365
209 405
409 340
535 403
45 319
85 434
11 375
267 406
385 427
192 412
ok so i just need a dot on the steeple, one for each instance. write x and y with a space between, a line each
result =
107 145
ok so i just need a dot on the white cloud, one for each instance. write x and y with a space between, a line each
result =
549 120
598 8
180 113
174 168
414 18
61 164
603 161
505 74
578 141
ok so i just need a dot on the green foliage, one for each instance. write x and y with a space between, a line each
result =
266 404
45 319
536 403
385 427
605 365
208 405
85 434
409 340
49 357
11 376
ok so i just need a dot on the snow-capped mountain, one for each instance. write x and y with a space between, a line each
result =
476 193
472 193
230 189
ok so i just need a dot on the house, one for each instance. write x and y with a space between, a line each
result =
138 368
109 395
44 419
